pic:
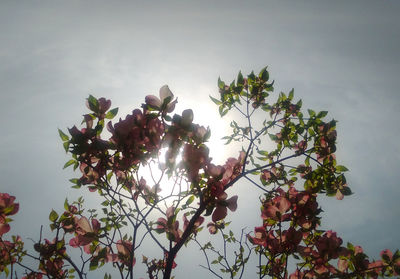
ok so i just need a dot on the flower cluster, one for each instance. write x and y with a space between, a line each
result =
7 208
9 250
136 137
219 177
325 144
316 248
170 226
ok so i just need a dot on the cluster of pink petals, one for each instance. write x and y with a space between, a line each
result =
7 207
194 158
223 203
164 102
124 249
233 168
219 177
276 208
328 245
135 136
85 232
104 105
169 225
6 251
305 208
287 242
197 223
325 147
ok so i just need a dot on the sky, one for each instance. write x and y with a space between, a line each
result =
340 56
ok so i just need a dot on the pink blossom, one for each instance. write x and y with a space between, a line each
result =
86 233
165 100
124 249
276 208
220 211
197 223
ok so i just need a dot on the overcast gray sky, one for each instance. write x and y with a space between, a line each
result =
340 56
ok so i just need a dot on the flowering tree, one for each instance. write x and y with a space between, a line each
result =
156 182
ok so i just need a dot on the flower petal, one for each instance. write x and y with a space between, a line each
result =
220 213
232 203
165 93
153 101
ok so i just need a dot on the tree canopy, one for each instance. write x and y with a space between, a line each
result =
156 181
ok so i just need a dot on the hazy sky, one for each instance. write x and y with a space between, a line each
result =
340 56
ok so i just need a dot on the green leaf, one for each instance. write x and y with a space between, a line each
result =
240 80
262 152
74 180
264 75
63 136
93 103
291 94
53 226
190 200
66 146
94 264
105 203
70 162
109 175
112 113
66 205
311 112
221 84
6 271
322 114
53 216
299 103
224 112
340 168
251 77
217 102
346 191
307 161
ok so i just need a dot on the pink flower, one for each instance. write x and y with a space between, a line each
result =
329 245
296 275
220 211
197 223
276 208
124 249
291 239
215 171
260 237
7 207
233 168
169 225
194 158
4 228
103 106
212 228
86 233
163 103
